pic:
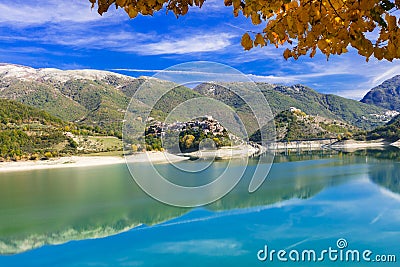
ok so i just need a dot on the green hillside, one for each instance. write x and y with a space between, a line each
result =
281 98
90 98
27 132
295 124
30 133
96 101
42 96
389 132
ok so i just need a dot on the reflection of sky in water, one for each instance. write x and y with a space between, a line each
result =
342 201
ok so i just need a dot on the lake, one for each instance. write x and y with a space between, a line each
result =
98 216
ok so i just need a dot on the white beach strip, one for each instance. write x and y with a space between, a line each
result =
154 157
63 162
359 144
226 152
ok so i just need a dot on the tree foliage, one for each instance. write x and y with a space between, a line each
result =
304 26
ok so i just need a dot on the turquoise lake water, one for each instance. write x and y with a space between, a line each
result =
98 216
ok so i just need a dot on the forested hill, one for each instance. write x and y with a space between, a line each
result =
98 99
389 132
27 132
86 97
15 113
281 98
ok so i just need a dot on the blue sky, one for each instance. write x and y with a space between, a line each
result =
70 35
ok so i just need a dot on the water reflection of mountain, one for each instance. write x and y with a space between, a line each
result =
299 178
387 175
55 206
385 160
390 153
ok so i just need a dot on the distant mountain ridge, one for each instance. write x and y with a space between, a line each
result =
52 74
282 98
88 96
386 95
100 98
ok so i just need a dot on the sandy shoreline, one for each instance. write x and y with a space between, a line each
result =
360 144
154 157
312 144
161 157
328 144
88 161
143 157
239 151
64 162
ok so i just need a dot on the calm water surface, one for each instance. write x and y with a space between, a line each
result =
99 216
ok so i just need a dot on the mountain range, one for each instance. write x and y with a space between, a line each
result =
280 98
97 100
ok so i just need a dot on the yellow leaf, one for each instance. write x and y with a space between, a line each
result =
255 18
378 53
132 12
259 40
322 44
391 21
247 43
313 52
289 20
287 54
329 26
121 3
228 2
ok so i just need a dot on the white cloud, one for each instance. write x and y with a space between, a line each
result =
355 94
206 247
28 13
273 79
386 73
348 75
222 76
194 43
